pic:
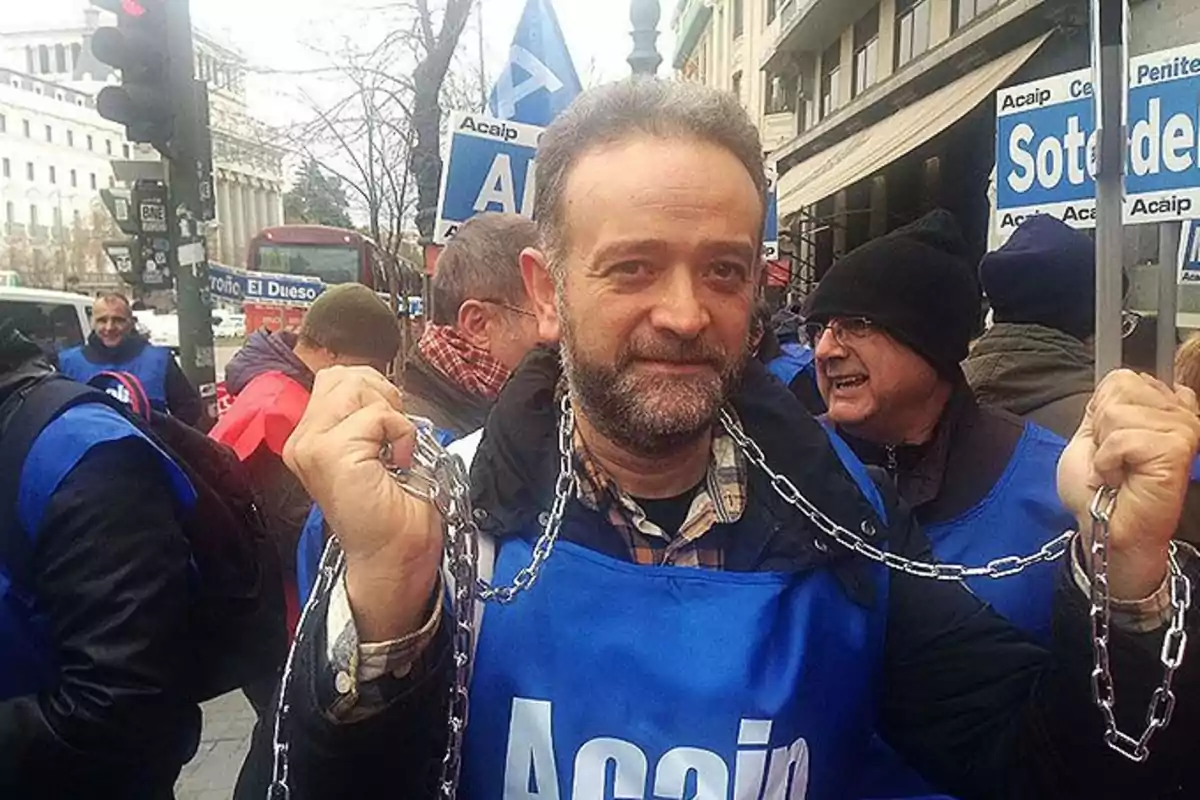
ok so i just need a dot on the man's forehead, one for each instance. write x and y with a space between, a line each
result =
110 308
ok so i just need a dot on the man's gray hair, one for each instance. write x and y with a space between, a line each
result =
482 262
661 108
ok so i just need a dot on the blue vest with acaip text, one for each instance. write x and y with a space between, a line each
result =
27 657
149 366
612 680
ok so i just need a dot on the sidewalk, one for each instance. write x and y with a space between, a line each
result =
212 774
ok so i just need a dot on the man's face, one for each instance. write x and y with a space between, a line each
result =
872 384
659 267
112 321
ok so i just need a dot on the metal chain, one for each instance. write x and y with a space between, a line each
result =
1162 702
783 486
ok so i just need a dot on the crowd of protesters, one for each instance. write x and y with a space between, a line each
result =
657 448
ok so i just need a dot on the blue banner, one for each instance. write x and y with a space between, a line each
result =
1189 253
490 168
539 80
1046 141
771 224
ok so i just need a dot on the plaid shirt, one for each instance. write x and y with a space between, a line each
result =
471 367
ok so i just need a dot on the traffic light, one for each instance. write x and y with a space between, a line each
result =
143 103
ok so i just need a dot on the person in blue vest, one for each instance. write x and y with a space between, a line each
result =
94 597
789 358
694 629
115 345
889 325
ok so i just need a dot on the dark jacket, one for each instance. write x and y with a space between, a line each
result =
285 502
1035 372
962 695
430 394
111 574
183 400
955 470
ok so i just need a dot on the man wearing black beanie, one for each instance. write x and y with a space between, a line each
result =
889 325
1037 361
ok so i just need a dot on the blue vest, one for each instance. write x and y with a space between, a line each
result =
28 661
149 366
1019 515
612 680
793 359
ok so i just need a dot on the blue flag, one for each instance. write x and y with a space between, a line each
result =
539 79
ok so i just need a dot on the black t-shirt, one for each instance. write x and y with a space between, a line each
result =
669 513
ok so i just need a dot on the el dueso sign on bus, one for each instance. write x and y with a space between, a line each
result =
1046 144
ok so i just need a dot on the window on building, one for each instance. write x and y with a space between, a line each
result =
125 151
25 128
782 92
60 59
33 216
10 213
74 179
5 168
967 10
866 51
43 59
76 52
108 146
70 138
93 181
29 173
912 29
736 87
91 143
30 66
739 18
112 182
53 175
772 10
831 78
49 134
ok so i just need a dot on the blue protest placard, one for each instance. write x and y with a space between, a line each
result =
490 168
771 225
1046 142
1189 253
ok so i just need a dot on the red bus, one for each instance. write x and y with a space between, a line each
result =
335 255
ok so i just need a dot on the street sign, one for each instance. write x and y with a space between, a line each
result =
226 283
1189 253
1046 145
771 226
490 168
271 289
150 200
117 204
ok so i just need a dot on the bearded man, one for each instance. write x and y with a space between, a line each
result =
694 630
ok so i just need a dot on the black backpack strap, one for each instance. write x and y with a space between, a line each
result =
23 417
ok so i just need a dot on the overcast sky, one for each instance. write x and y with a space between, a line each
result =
280 34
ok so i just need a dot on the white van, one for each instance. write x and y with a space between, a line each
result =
55 320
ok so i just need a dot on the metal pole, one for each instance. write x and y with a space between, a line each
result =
1168 298
1109 18
645 59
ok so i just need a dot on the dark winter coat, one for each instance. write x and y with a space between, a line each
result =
430 394
962 695
1038 373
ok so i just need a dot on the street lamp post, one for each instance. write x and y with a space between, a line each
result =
645 59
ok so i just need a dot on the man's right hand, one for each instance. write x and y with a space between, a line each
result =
391 539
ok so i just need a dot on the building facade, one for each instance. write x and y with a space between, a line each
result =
48 83
875 111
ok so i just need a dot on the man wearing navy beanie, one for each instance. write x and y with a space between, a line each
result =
1037 360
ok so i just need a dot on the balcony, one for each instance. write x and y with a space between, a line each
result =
808 26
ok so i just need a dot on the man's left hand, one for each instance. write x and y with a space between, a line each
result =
1140 437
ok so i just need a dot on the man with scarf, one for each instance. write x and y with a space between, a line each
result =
481 327
695 629
115 346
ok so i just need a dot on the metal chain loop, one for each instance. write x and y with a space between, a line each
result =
1162 702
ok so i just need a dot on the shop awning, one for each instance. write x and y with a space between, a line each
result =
870 150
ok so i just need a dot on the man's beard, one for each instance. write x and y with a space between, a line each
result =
651 415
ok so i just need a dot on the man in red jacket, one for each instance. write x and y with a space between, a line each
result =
270 379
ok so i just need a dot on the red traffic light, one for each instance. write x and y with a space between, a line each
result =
132 7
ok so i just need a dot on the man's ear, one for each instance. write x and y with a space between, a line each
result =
472 325
539 285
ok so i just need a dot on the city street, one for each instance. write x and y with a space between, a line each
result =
212 774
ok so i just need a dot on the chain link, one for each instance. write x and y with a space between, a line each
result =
1162 702
441 479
